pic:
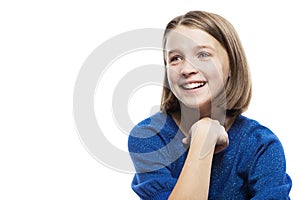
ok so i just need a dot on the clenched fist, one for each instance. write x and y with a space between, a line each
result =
207 135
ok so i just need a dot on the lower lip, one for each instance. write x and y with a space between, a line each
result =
193 90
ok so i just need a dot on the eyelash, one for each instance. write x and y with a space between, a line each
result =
175 59
202 55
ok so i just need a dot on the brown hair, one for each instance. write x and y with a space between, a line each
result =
238 87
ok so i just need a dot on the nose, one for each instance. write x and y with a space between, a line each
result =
188 69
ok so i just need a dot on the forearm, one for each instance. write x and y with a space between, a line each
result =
193 182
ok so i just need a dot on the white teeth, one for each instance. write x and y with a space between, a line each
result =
193 85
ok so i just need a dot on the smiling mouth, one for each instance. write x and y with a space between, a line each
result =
194 85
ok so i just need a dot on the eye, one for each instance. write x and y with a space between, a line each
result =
174 60
203 55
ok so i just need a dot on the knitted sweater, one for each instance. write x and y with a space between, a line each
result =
253 166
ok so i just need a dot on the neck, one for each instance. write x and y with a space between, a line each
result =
188 116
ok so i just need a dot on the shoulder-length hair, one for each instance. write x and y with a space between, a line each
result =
238 88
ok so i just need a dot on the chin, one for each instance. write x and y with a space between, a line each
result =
196 104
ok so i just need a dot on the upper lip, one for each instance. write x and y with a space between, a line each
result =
193 81
193 84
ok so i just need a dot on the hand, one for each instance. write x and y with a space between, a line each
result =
211 131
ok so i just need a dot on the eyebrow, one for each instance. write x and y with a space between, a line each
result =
196 48
205 47
174 51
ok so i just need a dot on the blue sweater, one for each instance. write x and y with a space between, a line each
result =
253 166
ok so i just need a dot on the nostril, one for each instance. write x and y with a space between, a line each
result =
188 69
187 73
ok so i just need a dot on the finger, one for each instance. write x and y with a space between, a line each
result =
222 142
186 140
223 137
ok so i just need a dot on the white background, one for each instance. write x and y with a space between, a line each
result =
42 48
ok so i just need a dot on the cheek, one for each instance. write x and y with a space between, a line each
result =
226 73
218 71
172 76
216 78
225 69
213 72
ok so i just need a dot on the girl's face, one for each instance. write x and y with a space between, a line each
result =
197 66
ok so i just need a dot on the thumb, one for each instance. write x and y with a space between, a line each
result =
222 141
186 140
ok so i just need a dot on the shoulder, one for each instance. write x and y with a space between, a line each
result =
263 160
253 129
155 123
255 138
153 132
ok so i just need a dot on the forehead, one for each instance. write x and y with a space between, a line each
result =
186 37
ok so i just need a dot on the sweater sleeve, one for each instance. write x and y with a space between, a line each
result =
267 177
154 178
